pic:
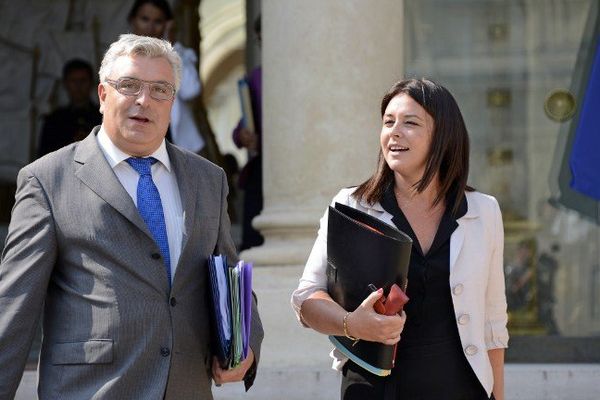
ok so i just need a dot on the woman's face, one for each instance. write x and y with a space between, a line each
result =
149 21
406 137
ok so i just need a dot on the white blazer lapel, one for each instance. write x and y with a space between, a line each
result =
375 210
456 242
457 239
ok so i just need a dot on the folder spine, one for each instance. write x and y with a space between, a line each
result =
357 360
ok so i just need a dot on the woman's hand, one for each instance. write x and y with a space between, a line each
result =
365 324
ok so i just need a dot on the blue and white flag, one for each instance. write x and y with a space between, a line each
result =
585 155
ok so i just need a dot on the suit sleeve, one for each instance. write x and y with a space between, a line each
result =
226 246
28 258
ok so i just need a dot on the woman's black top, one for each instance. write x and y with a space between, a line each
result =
430 363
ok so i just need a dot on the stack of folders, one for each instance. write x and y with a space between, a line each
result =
231 293
363 253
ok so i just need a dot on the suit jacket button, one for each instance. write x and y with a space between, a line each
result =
458 289
471 350
173 302
165 352
155 256
464 319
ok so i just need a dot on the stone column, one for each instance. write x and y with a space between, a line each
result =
326 65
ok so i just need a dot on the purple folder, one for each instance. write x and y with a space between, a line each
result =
246 305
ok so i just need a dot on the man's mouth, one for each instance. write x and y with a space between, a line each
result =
139 118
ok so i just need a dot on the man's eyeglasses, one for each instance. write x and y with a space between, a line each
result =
133 87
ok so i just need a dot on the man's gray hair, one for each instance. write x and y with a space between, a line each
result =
134 45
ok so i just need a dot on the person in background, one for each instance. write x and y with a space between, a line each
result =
451 342
232 169
154 18
250 180
73 122
109 242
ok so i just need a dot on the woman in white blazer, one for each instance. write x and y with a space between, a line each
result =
452 335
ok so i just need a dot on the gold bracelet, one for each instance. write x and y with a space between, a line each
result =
345 324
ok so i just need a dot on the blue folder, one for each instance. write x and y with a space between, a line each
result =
221 308
231 298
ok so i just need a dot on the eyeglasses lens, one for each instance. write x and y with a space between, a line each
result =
132 87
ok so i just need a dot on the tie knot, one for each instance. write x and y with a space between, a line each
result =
142 165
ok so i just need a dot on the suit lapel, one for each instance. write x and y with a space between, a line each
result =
95 172
188 191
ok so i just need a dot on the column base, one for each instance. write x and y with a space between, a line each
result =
289 237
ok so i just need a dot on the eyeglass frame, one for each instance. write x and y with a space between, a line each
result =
115 84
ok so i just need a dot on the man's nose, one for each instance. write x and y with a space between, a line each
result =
144 96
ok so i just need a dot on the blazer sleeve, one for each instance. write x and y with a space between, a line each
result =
28 259
314 277
226 246
496 333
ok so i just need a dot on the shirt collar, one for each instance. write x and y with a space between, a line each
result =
115 156
388 203
448 222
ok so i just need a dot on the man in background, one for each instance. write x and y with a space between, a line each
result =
75 121
250 180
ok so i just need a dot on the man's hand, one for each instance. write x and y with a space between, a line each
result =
236 374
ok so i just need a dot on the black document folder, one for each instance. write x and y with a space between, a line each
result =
363 250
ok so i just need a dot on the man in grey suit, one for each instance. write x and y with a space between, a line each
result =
110 237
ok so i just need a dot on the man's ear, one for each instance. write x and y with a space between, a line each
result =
101 96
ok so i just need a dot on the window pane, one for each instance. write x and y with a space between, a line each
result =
518 69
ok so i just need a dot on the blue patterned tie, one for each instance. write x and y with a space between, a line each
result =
150 207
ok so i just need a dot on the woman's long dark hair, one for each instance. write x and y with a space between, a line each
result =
448 153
